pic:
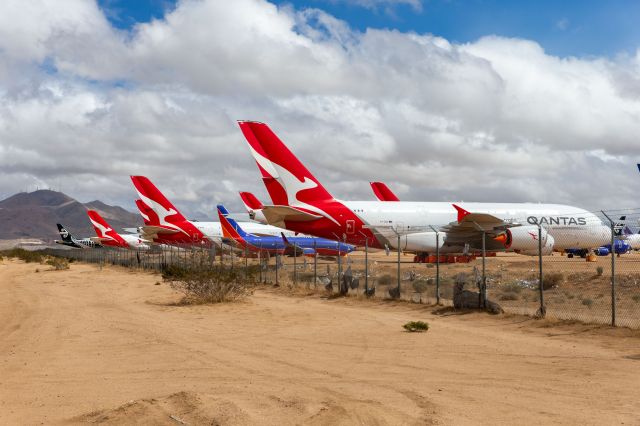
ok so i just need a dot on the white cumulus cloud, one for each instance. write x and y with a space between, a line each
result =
83 105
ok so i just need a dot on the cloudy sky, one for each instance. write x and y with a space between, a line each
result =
443 100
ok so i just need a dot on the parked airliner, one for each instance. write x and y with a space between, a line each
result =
302 204
71 241
163 222
107 236
294 246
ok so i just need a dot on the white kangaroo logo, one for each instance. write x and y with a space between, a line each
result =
102 230
162 212
290 183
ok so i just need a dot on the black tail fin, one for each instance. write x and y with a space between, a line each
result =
66 236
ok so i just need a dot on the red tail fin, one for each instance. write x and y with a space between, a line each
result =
382 191
145 212
103 230
286 178
250 201
156 202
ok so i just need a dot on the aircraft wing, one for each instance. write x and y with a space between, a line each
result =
155 230
277 215
469 228
99 240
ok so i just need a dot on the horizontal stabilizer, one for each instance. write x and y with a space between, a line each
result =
151 229
100 239
277 215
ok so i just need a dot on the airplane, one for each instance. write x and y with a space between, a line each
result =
163 222
292 246
302 204
71 241
254 207
382 192
107 236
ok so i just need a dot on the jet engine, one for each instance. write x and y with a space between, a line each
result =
420 241
524 240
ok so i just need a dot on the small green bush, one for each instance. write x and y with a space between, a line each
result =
587 302
599 271
636 298
416 326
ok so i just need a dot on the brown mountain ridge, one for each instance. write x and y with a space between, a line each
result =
35 214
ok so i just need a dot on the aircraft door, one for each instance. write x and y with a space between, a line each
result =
351 226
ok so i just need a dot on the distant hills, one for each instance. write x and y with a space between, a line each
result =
35 214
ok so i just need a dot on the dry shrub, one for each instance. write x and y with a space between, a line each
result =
209 285
58 263
509 296
551 280
420 285
25 255
384 279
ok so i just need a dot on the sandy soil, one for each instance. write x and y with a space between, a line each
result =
108 346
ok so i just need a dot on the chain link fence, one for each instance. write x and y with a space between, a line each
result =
591 288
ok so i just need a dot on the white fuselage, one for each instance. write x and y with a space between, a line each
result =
135 242
633 240
571 227
213 230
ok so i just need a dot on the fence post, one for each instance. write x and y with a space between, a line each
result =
295 265
398 248
483 288
366 266
437 264
613 276
542 310
613 270
315 263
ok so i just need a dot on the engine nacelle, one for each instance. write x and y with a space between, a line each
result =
602 251
524 240
421 241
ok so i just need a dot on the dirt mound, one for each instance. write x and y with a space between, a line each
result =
178 408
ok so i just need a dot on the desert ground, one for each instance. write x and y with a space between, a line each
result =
111 345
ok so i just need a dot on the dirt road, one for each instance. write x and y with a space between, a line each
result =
90 345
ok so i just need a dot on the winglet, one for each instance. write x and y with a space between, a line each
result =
462 213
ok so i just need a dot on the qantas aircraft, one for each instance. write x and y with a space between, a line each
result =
163 222
307 246
107 236
302 204
71 241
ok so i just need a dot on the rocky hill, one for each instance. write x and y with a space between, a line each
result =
35 214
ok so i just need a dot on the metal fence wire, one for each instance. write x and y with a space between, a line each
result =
602 288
